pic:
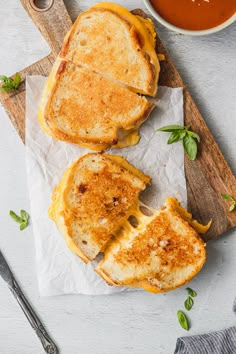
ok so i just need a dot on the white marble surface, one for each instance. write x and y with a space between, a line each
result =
134 323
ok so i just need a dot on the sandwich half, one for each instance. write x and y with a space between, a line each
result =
158 250
82 107
110 40
92 201
92 96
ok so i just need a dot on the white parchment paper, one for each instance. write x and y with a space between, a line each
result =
59 270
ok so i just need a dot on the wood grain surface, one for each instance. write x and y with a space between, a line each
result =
207 177
53 24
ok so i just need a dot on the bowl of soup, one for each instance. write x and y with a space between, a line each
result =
193 17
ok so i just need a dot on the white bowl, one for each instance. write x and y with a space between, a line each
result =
184 31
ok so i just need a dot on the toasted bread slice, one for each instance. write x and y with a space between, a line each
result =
111 41
82 107
93 200
160 254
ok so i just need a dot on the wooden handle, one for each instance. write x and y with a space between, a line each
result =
53 23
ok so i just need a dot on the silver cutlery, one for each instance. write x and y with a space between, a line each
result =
5 272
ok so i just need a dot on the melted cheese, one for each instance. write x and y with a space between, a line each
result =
94 147
48 88
127 166
200 228
55 212
127 140
161 57
127 137
57 194
126 230
57 206
145 285
146 28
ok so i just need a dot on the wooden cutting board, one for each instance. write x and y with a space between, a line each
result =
207 177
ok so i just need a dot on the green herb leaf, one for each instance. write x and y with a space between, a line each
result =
182 134
9 84
3 78
170 128
23 225
232 199
191 292
228 197
6 88
15 217
174 137
189 138
190 146
194 135
183 320
232 207
17 80
188 304
23 220
24 215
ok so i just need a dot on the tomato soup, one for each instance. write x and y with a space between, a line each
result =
195 14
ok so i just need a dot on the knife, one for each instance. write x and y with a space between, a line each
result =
5 272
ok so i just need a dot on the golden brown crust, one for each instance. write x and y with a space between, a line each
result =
106 277
64 68
138 40
166 247
142 247
92 200
106 200
93 141
151 68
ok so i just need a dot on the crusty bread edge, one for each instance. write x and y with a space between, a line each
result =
56 212
59 203
151 90
145 283
45 107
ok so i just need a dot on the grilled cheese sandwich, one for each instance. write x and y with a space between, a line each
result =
158 252
82 107
112 41
96 207
93 199
91 96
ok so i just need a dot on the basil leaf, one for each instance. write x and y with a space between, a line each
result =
6 88
189 138
227 197
15 217
182 134
3 78
174 137
23 225
25 216
232 207
190 146
170 128
17 80
194 135
183 320
9 84
23 220
191 292
188 303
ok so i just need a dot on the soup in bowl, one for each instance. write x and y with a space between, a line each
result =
194 17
